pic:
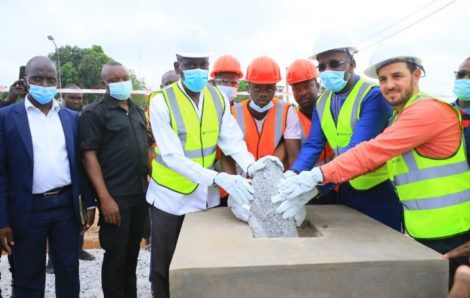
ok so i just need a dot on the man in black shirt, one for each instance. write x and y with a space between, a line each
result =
113 141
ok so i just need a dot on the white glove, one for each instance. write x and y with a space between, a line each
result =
239 188
287 174
296 185
261 164
242 212
294 208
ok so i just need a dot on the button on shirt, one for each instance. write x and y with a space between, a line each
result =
120 139
206 194
51 164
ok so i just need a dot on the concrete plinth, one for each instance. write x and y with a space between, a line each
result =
351 255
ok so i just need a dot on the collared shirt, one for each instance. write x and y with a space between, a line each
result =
430 127
375 112
120 139
206 194
51 164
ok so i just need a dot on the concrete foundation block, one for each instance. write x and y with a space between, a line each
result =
347 255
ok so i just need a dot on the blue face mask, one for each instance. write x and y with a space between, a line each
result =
195 79
261 109
120 90
43 95
462 89
333 80
230 92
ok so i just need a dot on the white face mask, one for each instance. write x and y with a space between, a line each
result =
261 109
230 92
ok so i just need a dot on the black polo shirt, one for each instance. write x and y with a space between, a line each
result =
120 139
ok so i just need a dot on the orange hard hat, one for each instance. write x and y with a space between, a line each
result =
263 70
227 63
301 70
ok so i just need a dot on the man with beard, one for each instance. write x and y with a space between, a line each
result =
425 152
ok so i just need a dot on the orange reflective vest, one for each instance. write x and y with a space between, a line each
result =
305 123
265 142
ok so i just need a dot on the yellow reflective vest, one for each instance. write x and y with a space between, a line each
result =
435 193
198 136
339 134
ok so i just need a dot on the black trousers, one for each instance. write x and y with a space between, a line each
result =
121 245
165 231
443 246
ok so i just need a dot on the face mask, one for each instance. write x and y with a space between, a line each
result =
42 95
333 80
462 89
261 109
195 79
120 90
230 92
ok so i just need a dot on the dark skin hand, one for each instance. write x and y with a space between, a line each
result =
108 206
17 91
6 239
461 286
90 219
460 251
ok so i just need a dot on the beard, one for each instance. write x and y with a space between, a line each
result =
401 97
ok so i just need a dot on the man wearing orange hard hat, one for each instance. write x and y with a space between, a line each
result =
302 78
270 126
226 75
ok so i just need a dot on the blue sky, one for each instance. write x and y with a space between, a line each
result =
141 33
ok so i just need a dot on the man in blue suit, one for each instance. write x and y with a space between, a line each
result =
40 185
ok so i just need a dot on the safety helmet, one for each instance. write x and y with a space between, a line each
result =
332 40
263 70
390 50
301 70
227 63
193 43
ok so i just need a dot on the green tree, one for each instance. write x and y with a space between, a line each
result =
83 68
242 87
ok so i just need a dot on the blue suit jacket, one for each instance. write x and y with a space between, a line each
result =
16 165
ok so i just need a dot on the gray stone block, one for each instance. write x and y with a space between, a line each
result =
352 255
263 221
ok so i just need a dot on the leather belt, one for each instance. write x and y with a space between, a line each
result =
52 193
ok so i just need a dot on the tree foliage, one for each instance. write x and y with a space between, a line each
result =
83 68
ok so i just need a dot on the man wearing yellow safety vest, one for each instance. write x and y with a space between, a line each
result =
424 149
350 111
189 119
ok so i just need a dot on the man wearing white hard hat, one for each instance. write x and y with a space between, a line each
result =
424 150
189 119
350 111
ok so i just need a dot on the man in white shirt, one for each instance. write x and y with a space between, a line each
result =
189 119
40 185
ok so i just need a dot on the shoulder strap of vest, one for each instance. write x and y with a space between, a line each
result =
238 107
218 101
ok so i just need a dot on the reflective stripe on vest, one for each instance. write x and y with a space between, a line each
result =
339 134
435 193
274 126
198 137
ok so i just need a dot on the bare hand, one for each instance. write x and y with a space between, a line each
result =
460 251
17 90
90 219
110 211
6 239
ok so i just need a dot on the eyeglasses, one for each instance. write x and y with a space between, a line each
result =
332 64
462 74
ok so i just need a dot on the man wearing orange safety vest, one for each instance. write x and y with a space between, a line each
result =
302 78
226 75
270 126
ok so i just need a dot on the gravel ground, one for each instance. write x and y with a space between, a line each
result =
90 276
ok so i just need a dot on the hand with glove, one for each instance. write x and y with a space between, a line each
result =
261 164
295 207
294 186
242 212
238 187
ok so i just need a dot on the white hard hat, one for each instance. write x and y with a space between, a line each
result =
332 40
389 50
193 43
